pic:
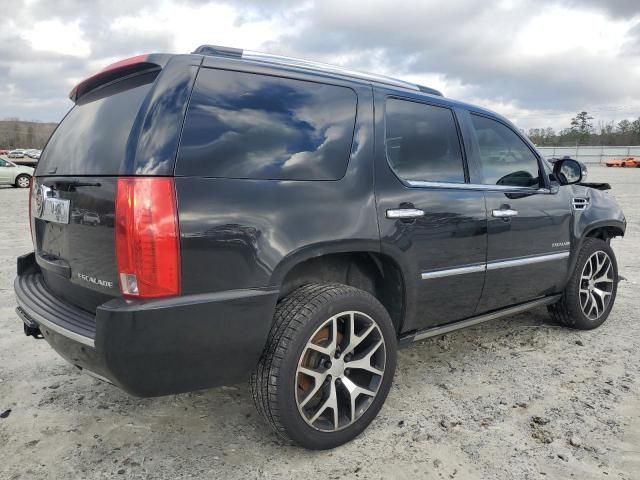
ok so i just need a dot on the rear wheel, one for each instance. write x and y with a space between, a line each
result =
591 291
327 367
23 181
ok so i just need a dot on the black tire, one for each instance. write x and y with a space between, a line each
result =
568 310
20 179
274 382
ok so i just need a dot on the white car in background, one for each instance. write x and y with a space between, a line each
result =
16 175
18 153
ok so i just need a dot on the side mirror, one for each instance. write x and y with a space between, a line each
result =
568 171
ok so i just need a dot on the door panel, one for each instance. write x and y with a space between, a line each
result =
527 254
442 250
528 223
445 249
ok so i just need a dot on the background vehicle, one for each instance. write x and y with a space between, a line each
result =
16 175
630 162
4 152
16 154
35 154
294 222
90 218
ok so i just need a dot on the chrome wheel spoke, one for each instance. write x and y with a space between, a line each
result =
354 392
335 387
596 285
354 339
332 403
364 362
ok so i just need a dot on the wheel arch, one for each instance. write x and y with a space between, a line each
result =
363 267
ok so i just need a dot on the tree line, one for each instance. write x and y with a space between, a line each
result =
582 132
16 133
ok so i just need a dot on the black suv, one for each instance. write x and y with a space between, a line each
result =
200 219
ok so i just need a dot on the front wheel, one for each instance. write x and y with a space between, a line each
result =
327 367
23 181
591 291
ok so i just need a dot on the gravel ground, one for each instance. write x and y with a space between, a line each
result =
515 398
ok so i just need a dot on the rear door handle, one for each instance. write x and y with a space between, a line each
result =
405 213
504 213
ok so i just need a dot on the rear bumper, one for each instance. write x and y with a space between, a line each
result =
158 347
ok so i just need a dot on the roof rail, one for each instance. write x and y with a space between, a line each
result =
218 51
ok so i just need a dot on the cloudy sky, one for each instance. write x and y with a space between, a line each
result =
535 61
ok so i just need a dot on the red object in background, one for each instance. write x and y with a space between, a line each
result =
629 162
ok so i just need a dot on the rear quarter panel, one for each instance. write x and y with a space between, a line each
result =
239 233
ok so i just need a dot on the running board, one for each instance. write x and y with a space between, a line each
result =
450 327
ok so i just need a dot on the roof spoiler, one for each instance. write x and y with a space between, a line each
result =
114 71
238 53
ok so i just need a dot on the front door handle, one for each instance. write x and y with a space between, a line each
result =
405 213
504 213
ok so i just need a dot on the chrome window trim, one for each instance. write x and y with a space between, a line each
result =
494 265
475 186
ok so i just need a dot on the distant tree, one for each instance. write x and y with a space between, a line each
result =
581 127
624 126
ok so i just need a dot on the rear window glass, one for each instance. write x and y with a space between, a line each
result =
244 125
92 138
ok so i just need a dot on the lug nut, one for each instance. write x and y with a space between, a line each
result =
327 364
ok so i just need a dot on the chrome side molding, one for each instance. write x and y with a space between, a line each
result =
494 265
454 271
518 262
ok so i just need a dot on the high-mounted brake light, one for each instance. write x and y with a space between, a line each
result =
115 70
147 241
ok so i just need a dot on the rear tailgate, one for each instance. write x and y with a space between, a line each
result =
129 126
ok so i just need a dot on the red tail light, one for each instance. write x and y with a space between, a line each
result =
147 241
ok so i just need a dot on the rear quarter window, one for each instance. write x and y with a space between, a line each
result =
245 125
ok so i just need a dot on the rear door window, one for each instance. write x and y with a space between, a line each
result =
422 142
504 157
246 125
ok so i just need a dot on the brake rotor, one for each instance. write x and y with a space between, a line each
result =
312 358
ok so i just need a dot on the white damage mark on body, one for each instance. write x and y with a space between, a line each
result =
95 281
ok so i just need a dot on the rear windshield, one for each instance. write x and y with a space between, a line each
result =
246 125
92 138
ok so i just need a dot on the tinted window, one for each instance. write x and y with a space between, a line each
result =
92 138
505 158
243 125
3 163
422 142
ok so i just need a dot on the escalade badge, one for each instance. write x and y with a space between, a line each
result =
95 281
560 244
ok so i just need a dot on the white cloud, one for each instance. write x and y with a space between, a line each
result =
535 61
56 36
